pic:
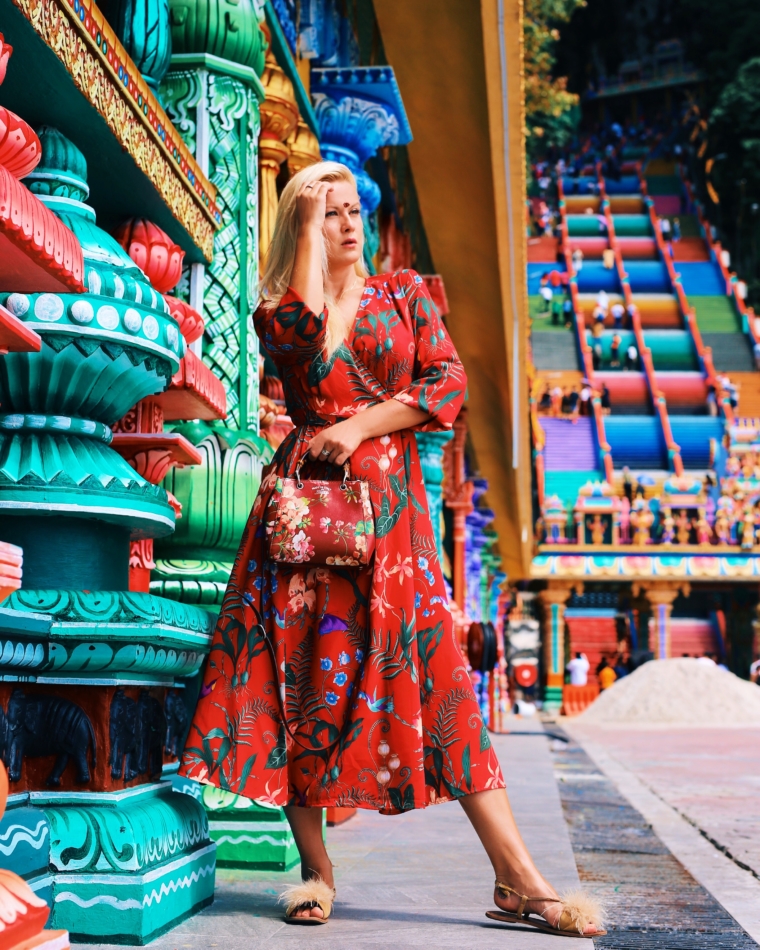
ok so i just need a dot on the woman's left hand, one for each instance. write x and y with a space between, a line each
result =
338 443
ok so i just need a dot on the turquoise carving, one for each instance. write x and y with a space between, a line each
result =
430 445
143 28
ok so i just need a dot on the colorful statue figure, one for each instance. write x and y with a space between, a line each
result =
668 527
722 526
704 534
748 528
596 527
641 518
683 524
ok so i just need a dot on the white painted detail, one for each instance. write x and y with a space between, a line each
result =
18 304
71 897
132 320
108 317
150 327
20 833
82 311
48 307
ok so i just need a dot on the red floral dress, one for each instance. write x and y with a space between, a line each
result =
380 708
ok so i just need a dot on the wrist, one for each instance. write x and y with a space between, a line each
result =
309 229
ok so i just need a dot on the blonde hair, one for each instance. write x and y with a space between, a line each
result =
282 251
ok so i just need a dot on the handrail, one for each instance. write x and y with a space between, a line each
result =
539 443
659 402
579 325
748 325
688 313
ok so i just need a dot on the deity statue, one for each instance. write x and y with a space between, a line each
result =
722 526
641 518
703 529
668 527
683 524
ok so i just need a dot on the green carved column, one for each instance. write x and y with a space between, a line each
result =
430 445
212 94
89 692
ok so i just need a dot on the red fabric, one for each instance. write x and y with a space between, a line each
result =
375 687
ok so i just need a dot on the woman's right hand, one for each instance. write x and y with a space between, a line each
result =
311 204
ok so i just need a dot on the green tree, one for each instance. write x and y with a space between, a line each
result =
551 115
734 160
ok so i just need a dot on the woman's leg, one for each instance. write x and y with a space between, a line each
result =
491 816
306 825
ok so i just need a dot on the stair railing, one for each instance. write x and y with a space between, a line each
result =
579 324
539 444
645 354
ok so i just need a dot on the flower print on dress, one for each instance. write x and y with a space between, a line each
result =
387 625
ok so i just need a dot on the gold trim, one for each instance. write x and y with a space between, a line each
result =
93 75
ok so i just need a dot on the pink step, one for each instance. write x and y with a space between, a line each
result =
693 636
627 389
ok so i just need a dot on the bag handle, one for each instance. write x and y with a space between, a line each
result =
346 473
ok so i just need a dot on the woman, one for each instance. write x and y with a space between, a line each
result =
379 709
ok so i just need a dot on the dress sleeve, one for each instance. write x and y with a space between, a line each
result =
291 333
440 382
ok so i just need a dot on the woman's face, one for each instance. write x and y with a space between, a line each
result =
343 226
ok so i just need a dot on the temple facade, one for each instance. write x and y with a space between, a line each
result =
136 413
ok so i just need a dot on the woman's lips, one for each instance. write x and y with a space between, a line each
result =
350 243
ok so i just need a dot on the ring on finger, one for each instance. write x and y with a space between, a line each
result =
324 453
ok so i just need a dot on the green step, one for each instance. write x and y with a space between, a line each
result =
632 225
716 315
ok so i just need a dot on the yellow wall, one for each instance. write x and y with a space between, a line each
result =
470 181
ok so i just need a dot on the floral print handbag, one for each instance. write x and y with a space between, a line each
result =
315 521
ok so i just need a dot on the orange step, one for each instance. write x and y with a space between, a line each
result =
690 249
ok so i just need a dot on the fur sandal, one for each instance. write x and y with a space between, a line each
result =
579 911
305 896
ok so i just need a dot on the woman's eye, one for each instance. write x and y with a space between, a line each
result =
331 214
355 211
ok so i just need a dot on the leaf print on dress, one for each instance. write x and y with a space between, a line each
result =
380 713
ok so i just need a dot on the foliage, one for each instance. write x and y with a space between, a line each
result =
734 148
549 108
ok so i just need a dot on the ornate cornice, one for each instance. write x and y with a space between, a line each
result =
42 236
77 32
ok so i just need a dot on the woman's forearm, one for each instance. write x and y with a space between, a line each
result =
306 278
387 417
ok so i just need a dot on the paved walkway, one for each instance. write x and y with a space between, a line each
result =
417 880
711 776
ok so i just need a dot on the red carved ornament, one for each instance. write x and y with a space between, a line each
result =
190 321
36 231
154 252
5 54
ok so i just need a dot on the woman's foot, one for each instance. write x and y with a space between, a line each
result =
311 901
584 911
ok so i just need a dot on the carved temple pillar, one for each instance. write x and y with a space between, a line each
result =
303 148
553 601
431 446
359 111
279 120
458 498
214 94
661 596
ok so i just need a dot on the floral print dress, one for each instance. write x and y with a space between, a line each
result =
380 709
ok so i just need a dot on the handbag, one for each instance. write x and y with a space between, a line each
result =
316 521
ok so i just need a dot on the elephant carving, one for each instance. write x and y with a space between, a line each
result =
151 728
176 723
38 726
125 738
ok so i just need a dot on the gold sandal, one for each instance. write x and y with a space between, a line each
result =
305 896
579 911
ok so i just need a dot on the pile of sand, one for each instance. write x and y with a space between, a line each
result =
679 692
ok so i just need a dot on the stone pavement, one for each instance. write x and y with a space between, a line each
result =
664 885
417 880
710 776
